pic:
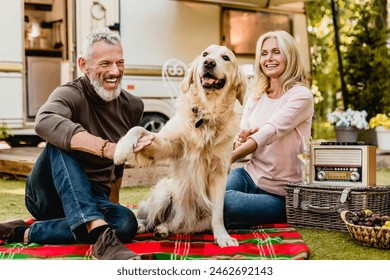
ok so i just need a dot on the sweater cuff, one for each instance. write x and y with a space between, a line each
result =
265 135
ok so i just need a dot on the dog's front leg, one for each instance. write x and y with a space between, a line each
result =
216 190
124 148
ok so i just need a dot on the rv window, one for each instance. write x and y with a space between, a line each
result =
241 29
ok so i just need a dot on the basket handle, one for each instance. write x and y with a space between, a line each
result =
343 215
305 205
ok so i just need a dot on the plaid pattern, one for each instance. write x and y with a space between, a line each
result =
268 242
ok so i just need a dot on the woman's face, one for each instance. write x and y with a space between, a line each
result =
272 62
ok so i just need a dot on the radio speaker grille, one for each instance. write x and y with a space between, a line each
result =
328 157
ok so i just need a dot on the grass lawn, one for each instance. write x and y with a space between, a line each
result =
323 245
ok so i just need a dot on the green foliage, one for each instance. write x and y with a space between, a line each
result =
325 74
4 131
367 59
363 34
323 130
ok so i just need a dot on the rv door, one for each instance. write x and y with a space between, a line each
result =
11 63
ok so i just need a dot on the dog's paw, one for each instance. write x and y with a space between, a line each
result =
123 151
161 231
124 147
226 241
141 227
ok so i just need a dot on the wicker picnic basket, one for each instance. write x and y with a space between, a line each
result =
377 237
319 206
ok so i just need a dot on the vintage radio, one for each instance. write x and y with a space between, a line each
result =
343 164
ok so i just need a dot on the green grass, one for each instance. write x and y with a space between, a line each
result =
383 176
333 245
323 245
12 200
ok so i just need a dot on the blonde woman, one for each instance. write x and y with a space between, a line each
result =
275 117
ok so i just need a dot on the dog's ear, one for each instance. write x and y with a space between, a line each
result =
240 86
188 79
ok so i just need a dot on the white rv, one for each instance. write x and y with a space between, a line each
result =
41 40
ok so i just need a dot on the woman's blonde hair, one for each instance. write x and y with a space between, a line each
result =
294 73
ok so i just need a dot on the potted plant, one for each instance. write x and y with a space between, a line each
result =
348 124
381 124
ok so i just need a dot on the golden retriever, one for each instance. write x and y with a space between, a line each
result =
197 142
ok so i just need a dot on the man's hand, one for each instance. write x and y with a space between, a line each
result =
134 141
143 142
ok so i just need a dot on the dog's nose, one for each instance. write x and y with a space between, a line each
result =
209 63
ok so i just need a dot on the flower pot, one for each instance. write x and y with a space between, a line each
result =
383 138
347 134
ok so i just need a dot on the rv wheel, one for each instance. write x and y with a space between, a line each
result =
153 123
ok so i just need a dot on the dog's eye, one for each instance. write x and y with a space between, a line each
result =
226 58
204 54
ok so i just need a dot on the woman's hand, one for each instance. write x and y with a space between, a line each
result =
244 149
242 136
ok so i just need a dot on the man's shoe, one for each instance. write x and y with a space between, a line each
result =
7 230
109 247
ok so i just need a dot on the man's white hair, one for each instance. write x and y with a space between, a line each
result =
96 36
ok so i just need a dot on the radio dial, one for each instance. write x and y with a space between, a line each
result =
354 176
321 175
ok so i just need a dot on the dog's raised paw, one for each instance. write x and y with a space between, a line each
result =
122 153
124 150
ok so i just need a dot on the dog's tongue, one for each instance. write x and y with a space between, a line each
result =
208 81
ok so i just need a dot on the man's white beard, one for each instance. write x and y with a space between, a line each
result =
104 94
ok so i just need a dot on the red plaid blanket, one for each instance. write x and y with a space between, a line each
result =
278 241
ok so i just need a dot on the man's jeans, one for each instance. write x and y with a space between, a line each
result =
60 197
247 205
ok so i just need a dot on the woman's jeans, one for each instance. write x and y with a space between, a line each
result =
62 200
247 205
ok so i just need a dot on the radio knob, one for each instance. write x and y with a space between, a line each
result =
354 176
321 175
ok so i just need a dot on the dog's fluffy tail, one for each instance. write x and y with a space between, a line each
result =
157 208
